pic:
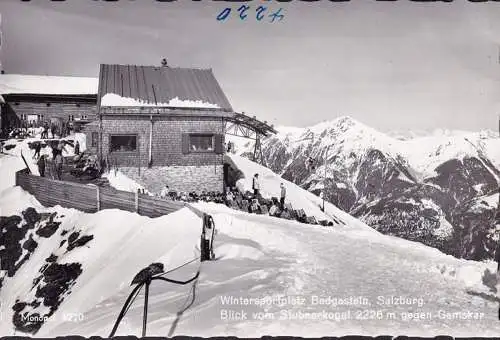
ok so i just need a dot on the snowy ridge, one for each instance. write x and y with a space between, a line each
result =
425 153
345 136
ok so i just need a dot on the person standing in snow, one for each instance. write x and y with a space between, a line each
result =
77 148
282 196
38 148
53 130
256 185
41 165
45 132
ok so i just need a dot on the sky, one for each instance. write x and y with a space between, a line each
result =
398 65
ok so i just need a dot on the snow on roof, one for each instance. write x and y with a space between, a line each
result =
112 99
30 84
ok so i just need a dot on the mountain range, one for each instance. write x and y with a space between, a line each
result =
438 188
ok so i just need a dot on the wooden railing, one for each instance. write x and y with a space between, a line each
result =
91 198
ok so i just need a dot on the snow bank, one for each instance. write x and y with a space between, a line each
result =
112 99
9 165
172 240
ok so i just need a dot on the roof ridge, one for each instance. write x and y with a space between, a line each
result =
161 67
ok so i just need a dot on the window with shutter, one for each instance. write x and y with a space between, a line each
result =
123 143
201 143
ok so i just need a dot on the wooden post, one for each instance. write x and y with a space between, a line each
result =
137 201
98 199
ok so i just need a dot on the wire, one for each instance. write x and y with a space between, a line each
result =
179 267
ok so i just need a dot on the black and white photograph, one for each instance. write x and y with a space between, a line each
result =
249 168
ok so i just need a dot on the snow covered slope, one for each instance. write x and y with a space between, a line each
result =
298 197
368 284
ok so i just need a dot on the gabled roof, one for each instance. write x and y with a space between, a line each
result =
160 86
49 85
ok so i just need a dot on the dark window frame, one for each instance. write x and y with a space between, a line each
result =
201 134
136 135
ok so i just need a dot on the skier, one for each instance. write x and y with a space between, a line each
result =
41 165
256 185
282 196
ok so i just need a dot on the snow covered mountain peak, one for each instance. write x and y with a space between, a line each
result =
340 124
336 131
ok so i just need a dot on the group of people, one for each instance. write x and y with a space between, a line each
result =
57 157
62 131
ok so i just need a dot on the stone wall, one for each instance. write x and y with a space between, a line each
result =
178 178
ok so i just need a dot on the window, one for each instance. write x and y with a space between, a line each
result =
95 139
123 143
201 143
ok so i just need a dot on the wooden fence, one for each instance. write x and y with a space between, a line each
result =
91 198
